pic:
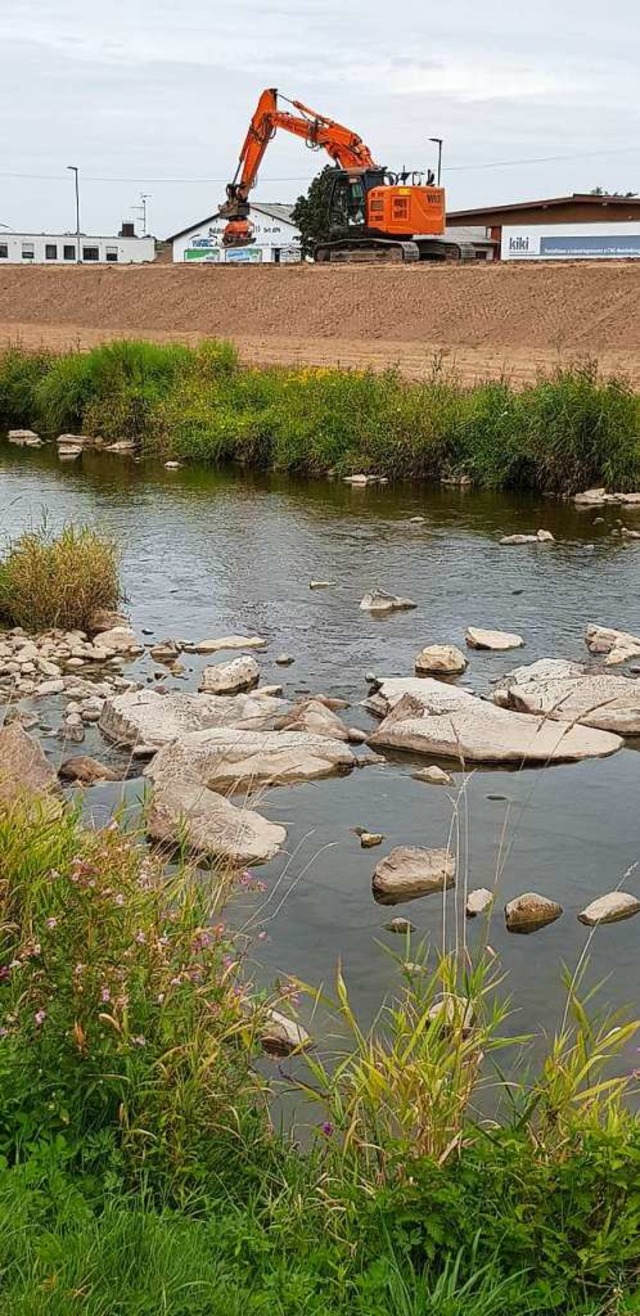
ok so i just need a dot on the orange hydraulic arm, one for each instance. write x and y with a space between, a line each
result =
344 146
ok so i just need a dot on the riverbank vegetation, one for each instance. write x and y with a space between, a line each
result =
572 429
60 580
139 1167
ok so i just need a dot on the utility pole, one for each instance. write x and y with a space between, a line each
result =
75 171
438 143
141 210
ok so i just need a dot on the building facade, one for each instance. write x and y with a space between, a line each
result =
62 249
584 226
276 239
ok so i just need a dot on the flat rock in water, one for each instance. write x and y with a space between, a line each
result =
399 925
86 770
612 908
408 873
433 776
152 719
567 692
24 769
24 438
370 839
377 600
230 642
183 809
281 1036
478 902
443 659
477 638
121 639
530 911
618 646
446 722
230 760
313 715
230 678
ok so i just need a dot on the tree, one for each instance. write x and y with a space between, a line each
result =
311 212
600 191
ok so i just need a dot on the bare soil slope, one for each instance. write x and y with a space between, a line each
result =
485 318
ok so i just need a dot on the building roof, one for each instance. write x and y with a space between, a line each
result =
274 209
547 203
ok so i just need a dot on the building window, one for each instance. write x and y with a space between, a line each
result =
69 252
28 251
91 253
50 251
4 251
112 254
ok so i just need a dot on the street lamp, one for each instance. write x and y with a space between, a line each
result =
438 143
74 170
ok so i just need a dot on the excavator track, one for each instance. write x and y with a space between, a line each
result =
378 251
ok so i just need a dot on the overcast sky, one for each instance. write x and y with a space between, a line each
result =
144 92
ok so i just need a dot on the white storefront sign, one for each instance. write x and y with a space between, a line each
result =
606 241
273 239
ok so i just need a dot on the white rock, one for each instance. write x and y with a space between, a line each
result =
440 658
566 692
378 600
530 911
619 646
612 908
312 715
282 1036
123 446
408 873
321 584
183 809
519 539
477 638
545 537
230 678
49 669
173 466
55 687
433 776
25 438
230 642
444 721
478 901
229 760
121 639
146 717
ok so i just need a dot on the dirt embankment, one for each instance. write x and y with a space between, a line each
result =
485 319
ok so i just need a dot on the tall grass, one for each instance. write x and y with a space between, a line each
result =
570 429
61 580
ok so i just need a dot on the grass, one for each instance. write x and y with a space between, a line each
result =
140 1172
62 580
571 429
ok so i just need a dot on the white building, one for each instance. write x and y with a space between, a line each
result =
62 249
612 240
275 238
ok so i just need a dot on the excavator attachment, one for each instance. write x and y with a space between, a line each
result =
238 233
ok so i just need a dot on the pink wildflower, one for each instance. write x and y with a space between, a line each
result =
139 1040
52 923
140 938
119 899
39 1017
105 995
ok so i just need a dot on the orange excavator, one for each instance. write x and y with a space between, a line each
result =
371 214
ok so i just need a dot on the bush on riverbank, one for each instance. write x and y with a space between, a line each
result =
61 580
139 1170
570 430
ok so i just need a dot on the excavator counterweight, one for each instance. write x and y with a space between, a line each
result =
370 214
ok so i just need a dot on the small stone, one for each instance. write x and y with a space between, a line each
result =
477 638
356 736
400 925
530 911
166 651
453 1013
369 839
321 584
370 760
545 537
408 873
173 466
612 908
417 520
378 600
72 732
440 660
86 770
50 688
478 901
24 438
284 660
433 776
229 678
281 1036
75 662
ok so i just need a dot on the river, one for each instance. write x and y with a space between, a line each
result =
207 553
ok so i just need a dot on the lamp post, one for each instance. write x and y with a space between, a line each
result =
438 143
75 171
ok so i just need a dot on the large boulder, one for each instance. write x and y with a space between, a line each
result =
145 717
230 678
440 660
447 722
378 600
408 873
619 646
566 692
477 638
313 715
229 760
183 810
612 908
530 911
24 770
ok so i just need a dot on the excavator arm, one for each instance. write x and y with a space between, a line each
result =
341 144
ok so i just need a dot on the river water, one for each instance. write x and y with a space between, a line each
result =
207 553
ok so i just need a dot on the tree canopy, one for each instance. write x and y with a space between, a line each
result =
311 212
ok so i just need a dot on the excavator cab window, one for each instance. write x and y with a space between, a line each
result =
349 202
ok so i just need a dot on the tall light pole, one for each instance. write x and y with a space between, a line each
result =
75 171
438 143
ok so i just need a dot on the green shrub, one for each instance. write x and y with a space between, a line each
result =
61 580
20 376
